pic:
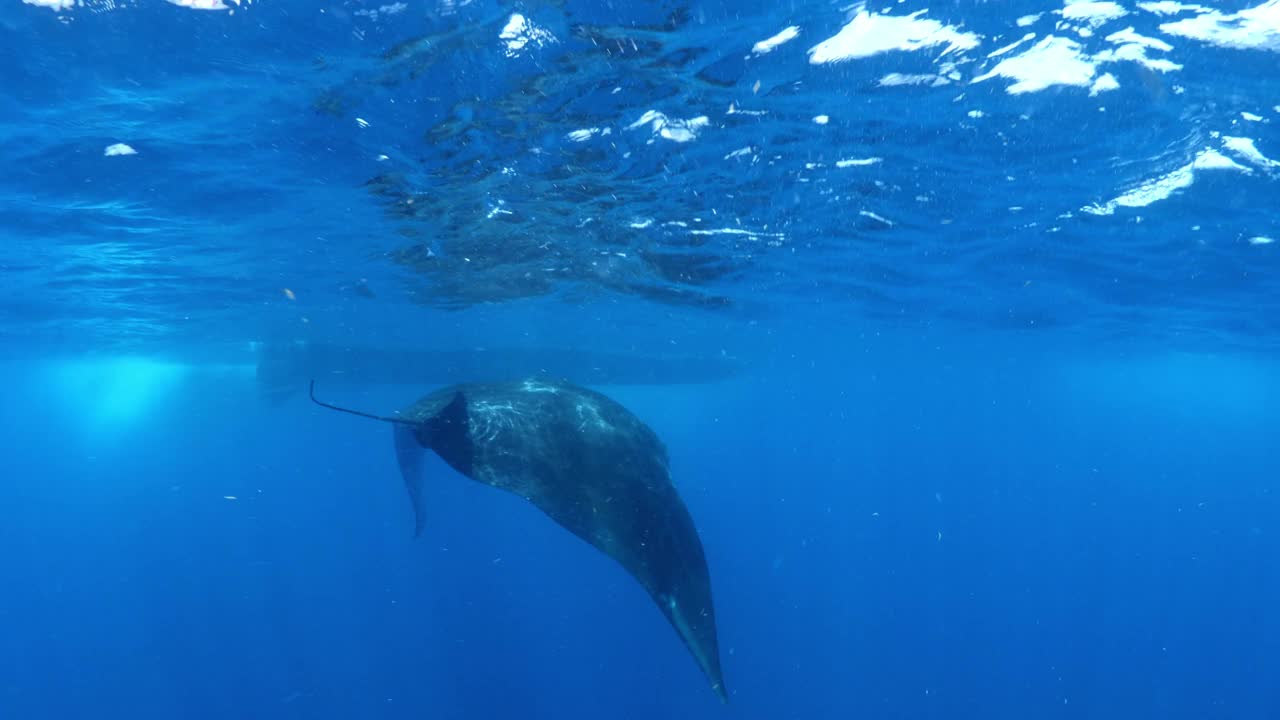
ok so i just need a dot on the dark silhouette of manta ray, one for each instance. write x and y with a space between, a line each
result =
590 465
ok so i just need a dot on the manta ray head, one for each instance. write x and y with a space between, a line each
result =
448 433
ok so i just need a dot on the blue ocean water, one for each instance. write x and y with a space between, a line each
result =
959 323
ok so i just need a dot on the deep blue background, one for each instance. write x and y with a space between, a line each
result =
903 528
981 463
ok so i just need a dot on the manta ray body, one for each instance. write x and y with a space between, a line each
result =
590 465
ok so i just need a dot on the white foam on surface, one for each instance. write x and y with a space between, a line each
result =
1251 117
1028 20
1063 61
736 231
1260 240
203 4
673 129
1167 7
867 35
58 5
520 33
1005 50
382 10
877 218
119 149
1163 187
1128 35
1255 28
1091 13
1244 148
821 119
858 162
1134 52
1052 61
768 45
586 134
896 79
1213 160
1105 83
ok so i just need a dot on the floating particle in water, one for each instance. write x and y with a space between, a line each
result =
289 294
363 290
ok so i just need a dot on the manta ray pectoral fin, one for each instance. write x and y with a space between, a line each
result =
409 454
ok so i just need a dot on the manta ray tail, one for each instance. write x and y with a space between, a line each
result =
383 418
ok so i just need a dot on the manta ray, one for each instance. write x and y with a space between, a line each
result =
590 465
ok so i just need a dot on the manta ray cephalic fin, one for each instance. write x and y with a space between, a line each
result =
409 454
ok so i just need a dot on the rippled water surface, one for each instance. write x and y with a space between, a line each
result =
1101 168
